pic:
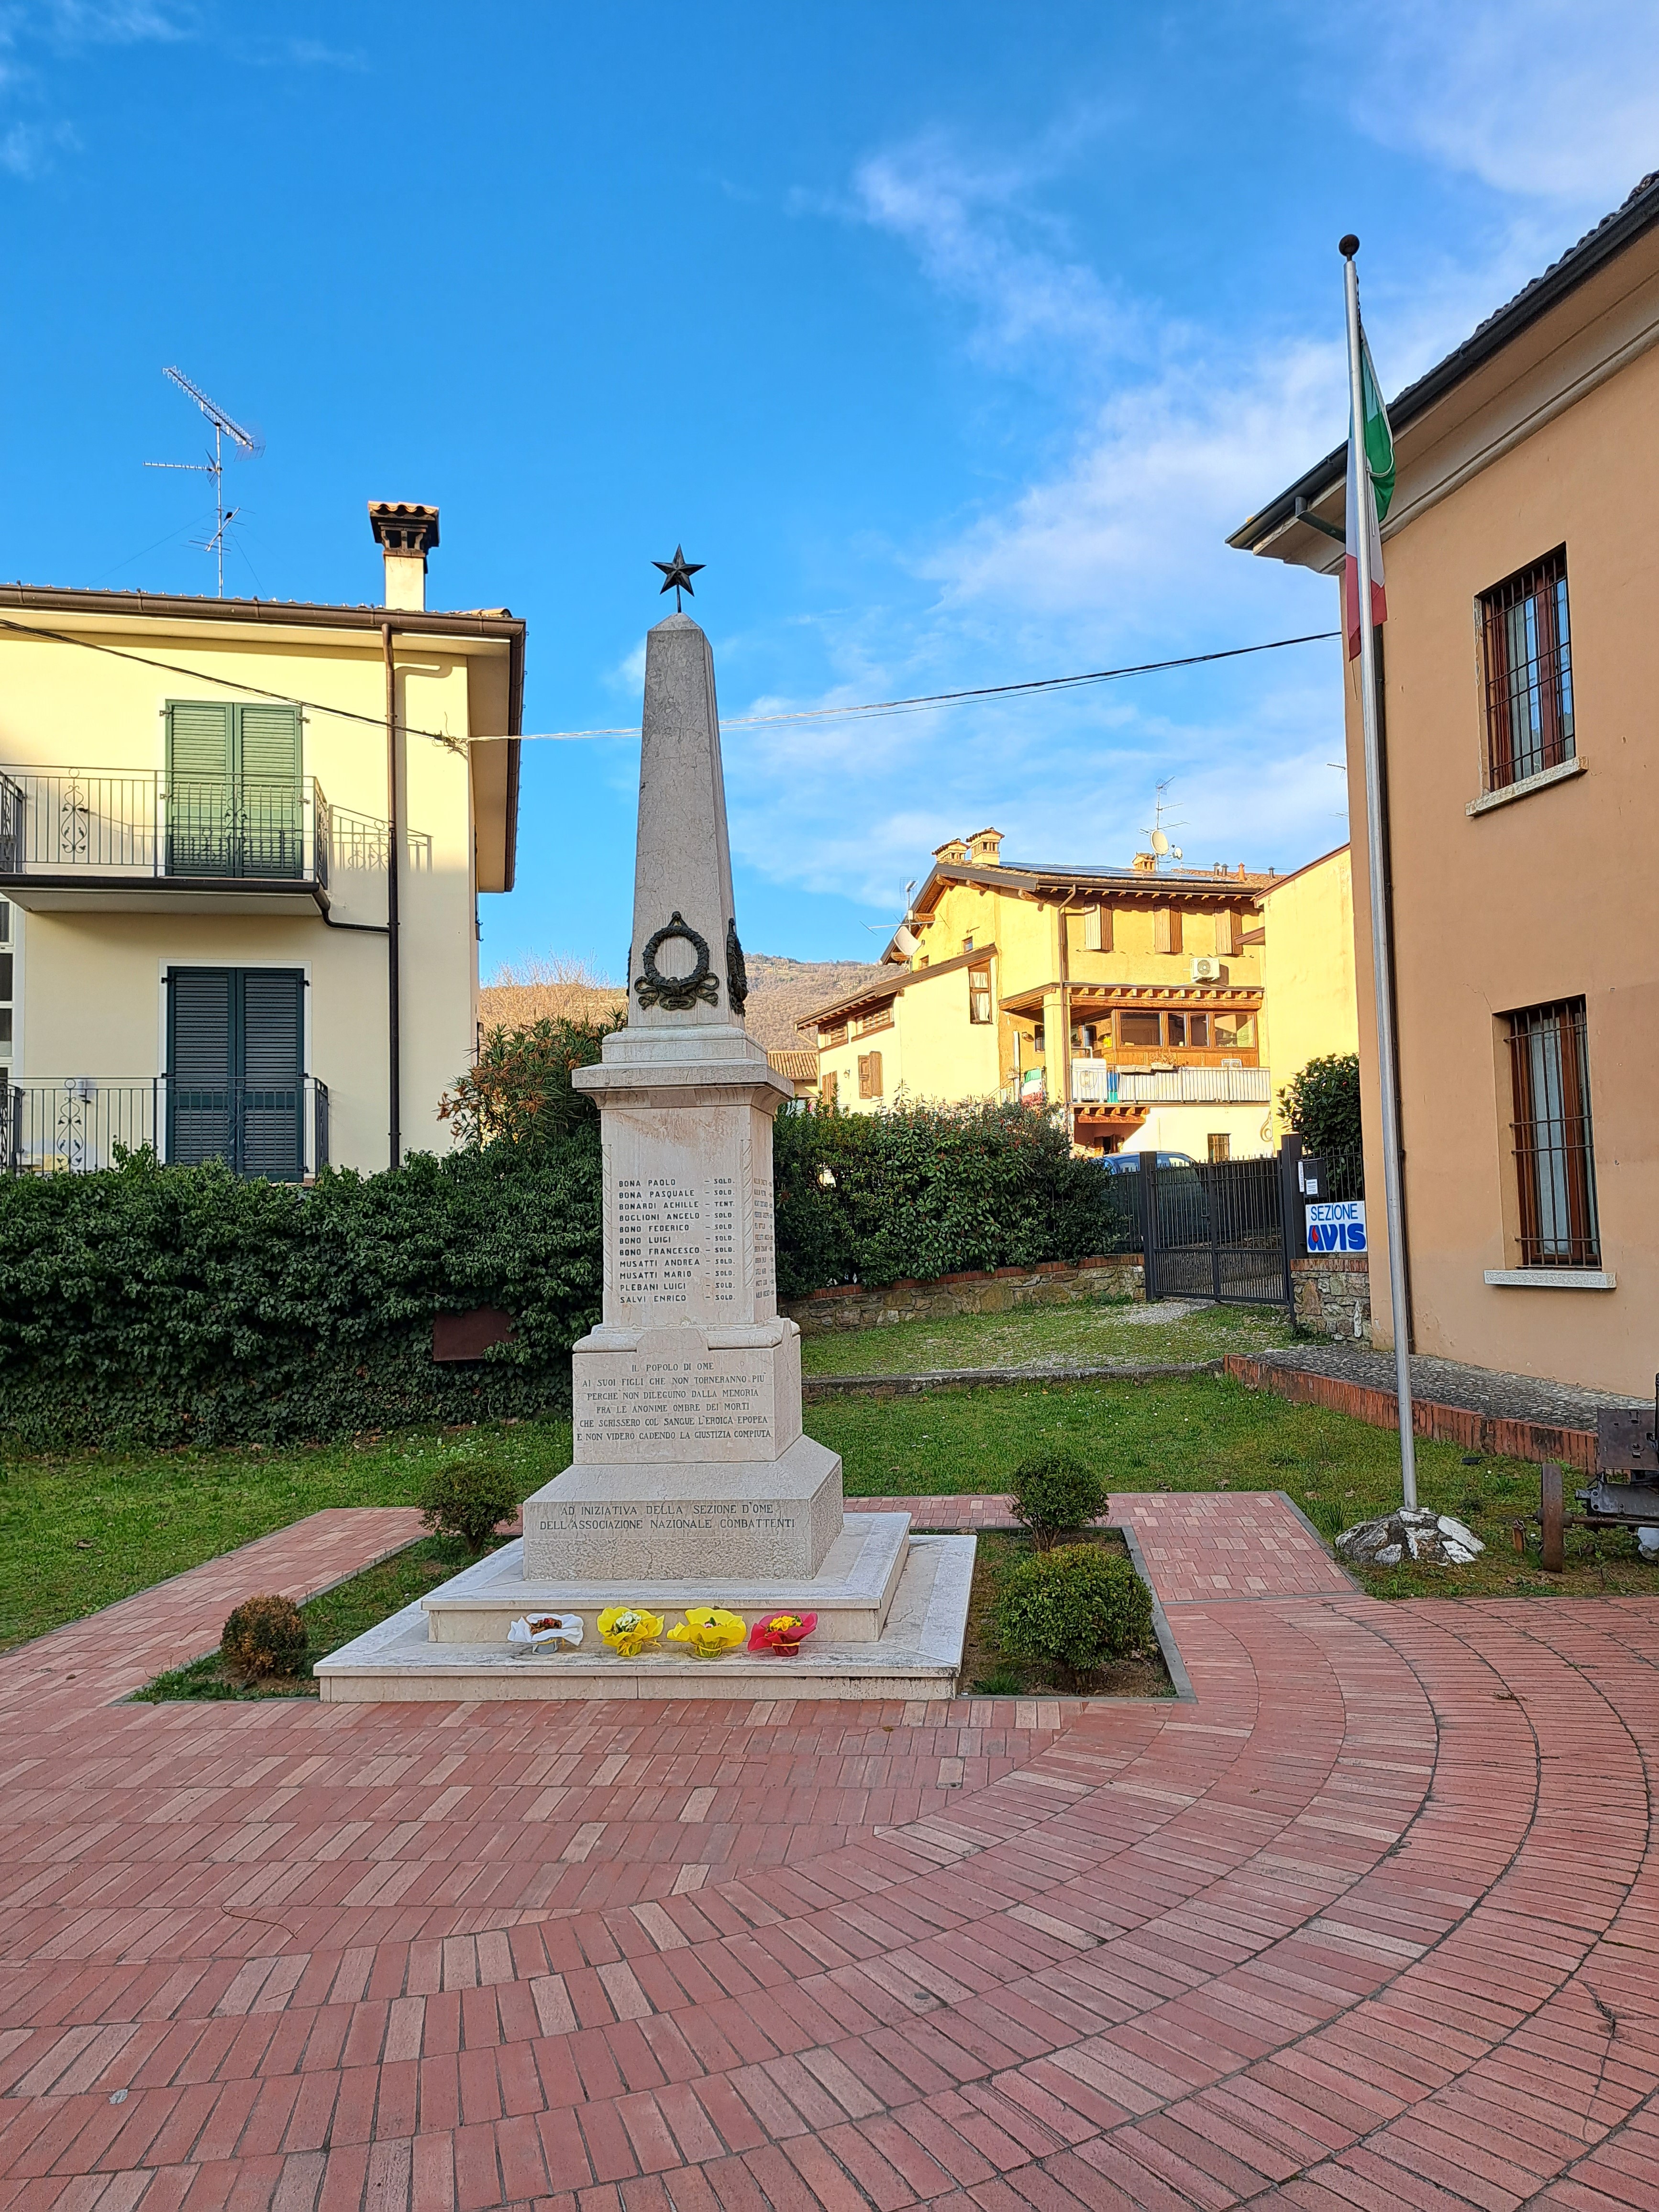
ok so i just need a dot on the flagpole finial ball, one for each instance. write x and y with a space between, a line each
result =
1348 247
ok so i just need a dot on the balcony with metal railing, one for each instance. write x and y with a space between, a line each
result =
77 1124
1107 1083
74 838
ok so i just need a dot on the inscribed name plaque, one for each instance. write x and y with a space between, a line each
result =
678 1398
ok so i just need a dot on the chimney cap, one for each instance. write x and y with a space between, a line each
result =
404 525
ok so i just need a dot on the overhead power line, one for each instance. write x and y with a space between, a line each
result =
925 702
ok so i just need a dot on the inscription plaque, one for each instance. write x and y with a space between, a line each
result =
696 1405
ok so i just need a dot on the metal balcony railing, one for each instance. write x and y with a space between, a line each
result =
1096 1083
138 825
77 1124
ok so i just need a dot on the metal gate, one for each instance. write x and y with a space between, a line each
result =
1219 1230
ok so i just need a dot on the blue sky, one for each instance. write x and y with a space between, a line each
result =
953 338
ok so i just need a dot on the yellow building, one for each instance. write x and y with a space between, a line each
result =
241 846
1137 995
1312 1007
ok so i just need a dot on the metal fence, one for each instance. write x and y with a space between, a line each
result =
77 1124
1219 1230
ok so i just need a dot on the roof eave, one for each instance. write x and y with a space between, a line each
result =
1545 292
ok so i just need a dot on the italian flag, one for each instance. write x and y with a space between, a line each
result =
1378 440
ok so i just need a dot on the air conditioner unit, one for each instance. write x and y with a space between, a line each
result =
1206 970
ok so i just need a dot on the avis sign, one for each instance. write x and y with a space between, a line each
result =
1337 1225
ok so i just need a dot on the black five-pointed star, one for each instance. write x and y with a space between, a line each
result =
677 574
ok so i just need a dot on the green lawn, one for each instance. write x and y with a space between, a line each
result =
1125 1335
77 1532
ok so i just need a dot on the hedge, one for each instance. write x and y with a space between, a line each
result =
165 1305
151 1305
921 1191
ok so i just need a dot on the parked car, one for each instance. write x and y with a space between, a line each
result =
1183 1203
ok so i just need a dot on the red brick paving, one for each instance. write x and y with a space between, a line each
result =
1372 1923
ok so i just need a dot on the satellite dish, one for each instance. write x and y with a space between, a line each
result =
1160 843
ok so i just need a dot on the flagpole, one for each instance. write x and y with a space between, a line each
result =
1382 980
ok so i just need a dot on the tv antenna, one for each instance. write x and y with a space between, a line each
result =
1158 836
241 442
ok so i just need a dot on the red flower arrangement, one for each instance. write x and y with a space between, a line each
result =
782 1632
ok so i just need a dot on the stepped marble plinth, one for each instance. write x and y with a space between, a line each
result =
917 1654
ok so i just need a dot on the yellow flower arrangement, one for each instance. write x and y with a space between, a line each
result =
708 1630
629 1630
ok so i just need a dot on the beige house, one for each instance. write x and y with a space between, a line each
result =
1137 996
241 849
1520 663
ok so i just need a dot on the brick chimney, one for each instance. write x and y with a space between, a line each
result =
406 534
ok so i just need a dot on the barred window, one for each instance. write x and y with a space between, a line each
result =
1527 649
1554 1150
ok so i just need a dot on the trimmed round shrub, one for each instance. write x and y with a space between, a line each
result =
1055 1492
469 1499
1075 1609
265 1637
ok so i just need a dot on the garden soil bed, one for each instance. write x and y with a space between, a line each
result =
984 1669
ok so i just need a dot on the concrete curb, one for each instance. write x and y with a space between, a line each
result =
815 1388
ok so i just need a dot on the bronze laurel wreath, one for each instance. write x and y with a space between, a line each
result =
679 994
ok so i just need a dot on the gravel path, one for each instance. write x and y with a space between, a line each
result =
1450 1382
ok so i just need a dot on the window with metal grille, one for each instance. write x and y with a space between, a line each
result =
1554 1151
869 1075
979 994
1527 650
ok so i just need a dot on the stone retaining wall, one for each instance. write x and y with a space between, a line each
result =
1051 1283
1333 1289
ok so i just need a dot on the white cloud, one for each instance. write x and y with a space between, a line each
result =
980 240
26 148
1540 99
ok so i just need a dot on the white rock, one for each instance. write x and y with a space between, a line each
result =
1389 1555
1458 1533
1460 1554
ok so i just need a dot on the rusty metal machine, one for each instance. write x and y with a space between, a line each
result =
1625 1493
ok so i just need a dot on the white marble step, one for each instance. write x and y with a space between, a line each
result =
918 1654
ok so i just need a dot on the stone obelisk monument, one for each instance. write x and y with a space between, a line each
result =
689 1458
692 1483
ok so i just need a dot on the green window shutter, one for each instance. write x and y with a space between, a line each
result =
273 1028
198 742
199 824
201 1054
271 810
272 1134
268 743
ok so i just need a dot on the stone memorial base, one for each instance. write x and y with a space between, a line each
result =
663 1522
892 1615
